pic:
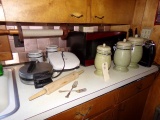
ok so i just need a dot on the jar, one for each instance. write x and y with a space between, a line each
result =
35 56
137 51
103 55
122 56
51 49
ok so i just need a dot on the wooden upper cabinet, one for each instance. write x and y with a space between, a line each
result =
112 11
5 49
69 11
46 11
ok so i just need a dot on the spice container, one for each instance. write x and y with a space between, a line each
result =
122 56
103 55
137 51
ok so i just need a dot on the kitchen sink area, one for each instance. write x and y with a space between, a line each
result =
9 102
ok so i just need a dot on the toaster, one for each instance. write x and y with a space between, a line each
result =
149 51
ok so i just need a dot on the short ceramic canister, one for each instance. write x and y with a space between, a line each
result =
103 55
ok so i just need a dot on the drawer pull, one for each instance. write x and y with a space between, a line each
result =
83 115
77 15
99 17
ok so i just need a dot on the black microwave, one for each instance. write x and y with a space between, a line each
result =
84 45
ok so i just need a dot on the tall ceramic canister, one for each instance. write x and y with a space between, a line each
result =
122 56
137 51
103 55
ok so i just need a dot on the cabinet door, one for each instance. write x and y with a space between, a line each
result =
112 11
5 50
132 108
46 11
135 87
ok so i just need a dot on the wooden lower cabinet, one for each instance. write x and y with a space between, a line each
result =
132 108
124 103
90 108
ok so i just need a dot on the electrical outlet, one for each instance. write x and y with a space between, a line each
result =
146 32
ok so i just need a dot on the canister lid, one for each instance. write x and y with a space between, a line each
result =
136 40
124 44
52 48
104 47
37 53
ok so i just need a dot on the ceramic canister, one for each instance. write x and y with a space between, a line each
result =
136 52
103 55
122 56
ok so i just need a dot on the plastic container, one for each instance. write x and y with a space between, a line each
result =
35 56
103 55
51 49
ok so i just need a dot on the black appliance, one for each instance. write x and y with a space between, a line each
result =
149 52
84 45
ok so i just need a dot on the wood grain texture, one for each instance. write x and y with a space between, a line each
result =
144 17
114 12
5 50
59 11
5 56
153 100
88 109
48 11
150 13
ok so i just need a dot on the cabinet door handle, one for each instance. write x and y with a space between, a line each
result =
99 17
77 15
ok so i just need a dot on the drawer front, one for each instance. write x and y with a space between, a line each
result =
89 108
135 87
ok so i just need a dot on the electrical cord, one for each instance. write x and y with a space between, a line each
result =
62 68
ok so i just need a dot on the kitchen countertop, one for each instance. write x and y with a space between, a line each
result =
49 105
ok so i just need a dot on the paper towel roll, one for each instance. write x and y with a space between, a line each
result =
41 32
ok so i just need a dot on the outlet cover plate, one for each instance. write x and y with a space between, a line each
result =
146 32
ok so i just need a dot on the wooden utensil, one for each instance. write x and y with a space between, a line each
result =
48 89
